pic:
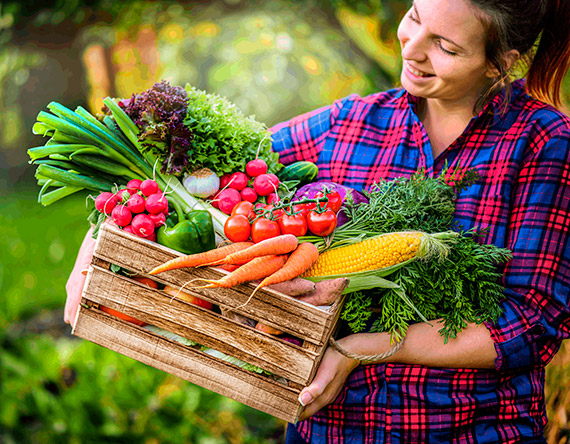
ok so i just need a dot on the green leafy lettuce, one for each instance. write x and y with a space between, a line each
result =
224 139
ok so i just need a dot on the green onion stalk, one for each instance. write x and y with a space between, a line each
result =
84 153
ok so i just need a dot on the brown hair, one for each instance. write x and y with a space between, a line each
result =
519 25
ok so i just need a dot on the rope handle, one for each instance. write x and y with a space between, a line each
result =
366 359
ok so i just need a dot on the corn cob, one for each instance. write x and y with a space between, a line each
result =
371 254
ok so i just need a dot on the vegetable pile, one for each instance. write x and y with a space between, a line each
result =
188 170
455 278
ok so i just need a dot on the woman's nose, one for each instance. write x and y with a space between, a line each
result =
413 48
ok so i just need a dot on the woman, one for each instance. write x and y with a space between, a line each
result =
457 107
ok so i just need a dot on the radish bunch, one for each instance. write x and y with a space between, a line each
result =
138 209
252 186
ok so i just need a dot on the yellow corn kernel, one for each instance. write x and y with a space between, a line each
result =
377 252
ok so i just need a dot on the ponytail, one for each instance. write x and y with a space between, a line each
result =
519 24
552 58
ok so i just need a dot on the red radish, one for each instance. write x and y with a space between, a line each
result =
128 229
142 225
224 180
105 202
272 198
136 203
228 199
151 237
264 184
158 219
238 181
121 215
256 167
156 203
213 199
248 194
134 184
123 196
148 187
274 179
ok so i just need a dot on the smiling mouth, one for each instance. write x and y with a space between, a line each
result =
418 73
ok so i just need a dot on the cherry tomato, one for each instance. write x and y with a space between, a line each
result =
321 224
272 213
244 208
304 208
295 224
237 228
263 228
334 200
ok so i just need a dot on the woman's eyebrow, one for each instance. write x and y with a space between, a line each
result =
437 35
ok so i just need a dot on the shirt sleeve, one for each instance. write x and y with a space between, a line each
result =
536 316
303 137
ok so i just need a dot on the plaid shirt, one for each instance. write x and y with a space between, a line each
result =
523 198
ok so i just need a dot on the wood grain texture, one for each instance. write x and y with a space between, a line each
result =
200 325
295 365
270 307
257 391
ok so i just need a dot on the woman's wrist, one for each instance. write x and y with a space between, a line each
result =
367 345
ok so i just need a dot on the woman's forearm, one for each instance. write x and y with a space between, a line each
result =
472 348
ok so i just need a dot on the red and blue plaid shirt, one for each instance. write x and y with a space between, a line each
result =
523 198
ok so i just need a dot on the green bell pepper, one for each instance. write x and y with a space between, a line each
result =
193 233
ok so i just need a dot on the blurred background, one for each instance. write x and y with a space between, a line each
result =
274 60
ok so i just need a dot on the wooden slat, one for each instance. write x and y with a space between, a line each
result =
256 391
271 307
200 325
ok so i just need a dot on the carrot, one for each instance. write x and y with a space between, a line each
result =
277 245
268 329
198 259
257 268
305 255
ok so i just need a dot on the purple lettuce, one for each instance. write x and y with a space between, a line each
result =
159 113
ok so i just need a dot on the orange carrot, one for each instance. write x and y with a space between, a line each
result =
268 329
257 268
277 245
199 259
300 260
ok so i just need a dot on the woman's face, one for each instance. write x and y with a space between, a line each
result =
443 51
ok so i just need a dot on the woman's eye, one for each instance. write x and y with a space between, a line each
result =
451 53
413 18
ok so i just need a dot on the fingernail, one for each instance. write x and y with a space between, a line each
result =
84 271
305 398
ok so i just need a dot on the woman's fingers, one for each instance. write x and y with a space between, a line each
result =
76 280
328 382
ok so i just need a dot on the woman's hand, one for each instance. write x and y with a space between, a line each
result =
424 345
74 286
331 375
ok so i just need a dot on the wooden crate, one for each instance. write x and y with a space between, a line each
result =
292 365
